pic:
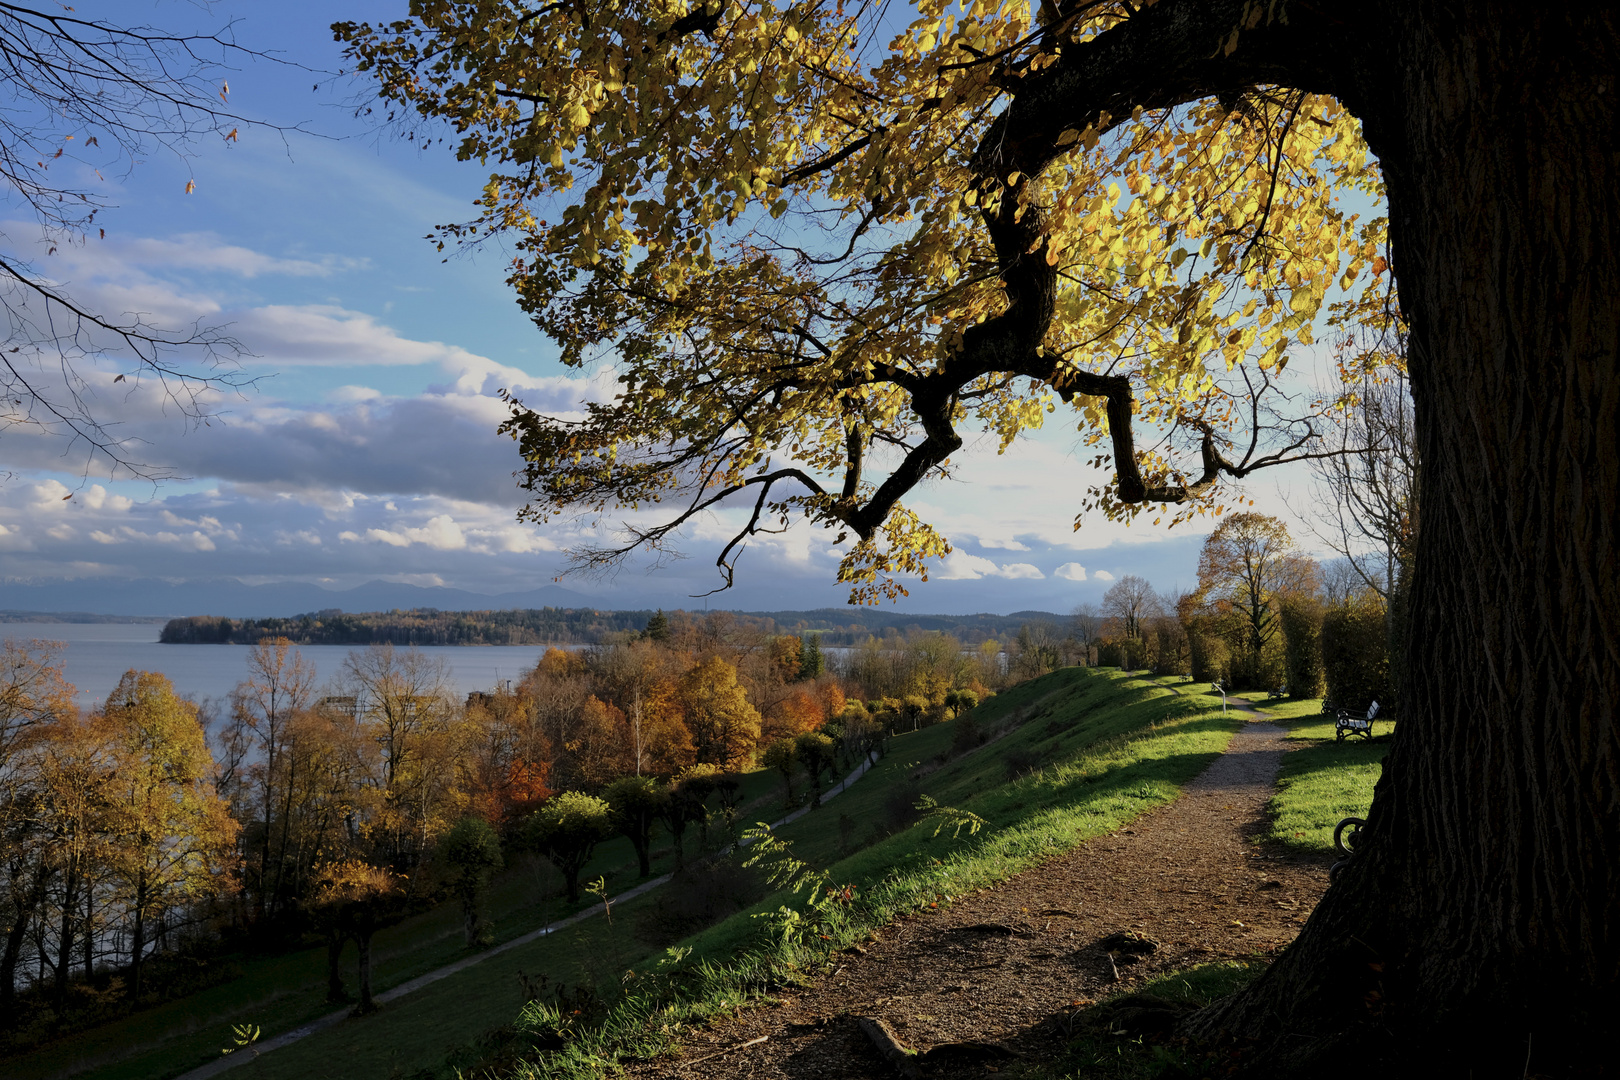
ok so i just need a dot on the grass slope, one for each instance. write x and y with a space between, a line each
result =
1111 747
1095 750
279 993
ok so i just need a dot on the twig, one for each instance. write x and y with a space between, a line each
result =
727 1050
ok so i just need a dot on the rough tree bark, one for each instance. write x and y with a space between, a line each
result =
1480 921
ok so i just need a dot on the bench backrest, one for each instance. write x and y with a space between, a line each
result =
1372 710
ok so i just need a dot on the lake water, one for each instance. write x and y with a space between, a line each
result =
97 655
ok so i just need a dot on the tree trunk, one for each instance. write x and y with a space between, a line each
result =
139 944
89 935
642 842
25 908
1480 921
64 943
335 990
365 1005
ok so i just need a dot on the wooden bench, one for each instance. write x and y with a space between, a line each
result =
1279 694
1345 725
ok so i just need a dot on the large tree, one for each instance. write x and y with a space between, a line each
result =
948 250
1247 565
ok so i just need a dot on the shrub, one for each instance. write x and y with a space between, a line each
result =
1355 652
900 805
1022 762
1301 617
699 896
968 735
474 850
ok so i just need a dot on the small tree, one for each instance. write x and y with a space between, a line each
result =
566 831
913 707
1245 567
780 756
811 663
961 701
815 751
681 805
357 899
474 852
1129 603
636 802
1086 627
657 627
173 836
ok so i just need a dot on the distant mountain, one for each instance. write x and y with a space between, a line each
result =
153 598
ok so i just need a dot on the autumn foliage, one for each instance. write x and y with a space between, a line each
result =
331 807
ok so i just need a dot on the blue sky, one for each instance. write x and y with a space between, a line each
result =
367 448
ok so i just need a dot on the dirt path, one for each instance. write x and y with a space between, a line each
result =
1001 966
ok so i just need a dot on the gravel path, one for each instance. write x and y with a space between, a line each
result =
1003 966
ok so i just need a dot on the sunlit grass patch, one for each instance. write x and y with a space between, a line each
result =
1323 782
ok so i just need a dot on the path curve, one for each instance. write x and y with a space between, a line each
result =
1002 966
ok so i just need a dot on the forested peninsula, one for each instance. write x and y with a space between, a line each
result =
420 626
551 626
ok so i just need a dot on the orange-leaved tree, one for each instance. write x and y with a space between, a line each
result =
724 725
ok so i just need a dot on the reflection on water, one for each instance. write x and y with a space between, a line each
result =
97 655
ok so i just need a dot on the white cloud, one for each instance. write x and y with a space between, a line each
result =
49 495
441 533
1070 571
96 498
1102 575
205 251
960 566
998 543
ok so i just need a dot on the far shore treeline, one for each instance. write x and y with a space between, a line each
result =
581 626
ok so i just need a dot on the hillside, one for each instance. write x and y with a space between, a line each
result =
1073 757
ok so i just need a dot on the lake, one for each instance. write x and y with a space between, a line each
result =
97 655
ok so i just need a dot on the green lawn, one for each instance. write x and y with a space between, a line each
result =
1323 780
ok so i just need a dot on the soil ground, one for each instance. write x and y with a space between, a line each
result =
1007 965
